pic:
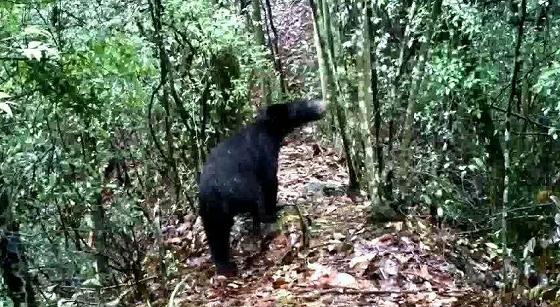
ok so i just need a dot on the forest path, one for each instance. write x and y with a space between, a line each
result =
349 262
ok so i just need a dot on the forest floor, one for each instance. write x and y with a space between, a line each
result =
348 261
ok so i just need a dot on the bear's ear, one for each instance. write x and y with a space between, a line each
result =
277 114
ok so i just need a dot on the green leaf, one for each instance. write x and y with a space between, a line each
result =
6 108
426 199
479 162
529 247
32 30
552 131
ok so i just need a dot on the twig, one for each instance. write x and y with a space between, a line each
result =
346 290
547 204
470 232
521 117
503 89
13 59
423 278
151 128
130 284
532 134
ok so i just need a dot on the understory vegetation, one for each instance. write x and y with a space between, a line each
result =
444 114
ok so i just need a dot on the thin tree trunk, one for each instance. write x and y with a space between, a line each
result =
364 100
381 209
525 110
331 89
341 96
322 59
100 242
243 11
166 81
156 10
327 26
507 135
527 97
417 77
275 49
376 106
396 98
259 34
200 143
400 65
170 148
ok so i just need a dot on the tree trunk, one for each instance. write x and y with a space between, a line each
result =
275 49
527 95
396 98
174 172
157 12
494 150
485 127
100 242
259 34
364 100
331 89
417 77
507 134
376 103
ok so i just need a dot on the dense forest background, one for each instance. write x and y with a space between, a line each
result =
440 111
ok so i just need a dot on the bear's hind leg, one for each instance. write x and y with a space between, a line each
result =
217 234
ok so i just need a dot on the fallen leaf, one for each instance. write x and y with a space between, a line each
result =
389 267
338 236
330 209
424 271
345 280
175 240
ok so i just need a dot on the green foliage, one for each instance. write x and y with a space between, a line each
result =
91 134
74 131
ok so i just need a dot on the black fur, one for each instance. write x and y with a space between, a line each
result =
240 175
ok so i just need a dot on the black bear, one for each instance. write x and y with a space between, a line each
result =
239 176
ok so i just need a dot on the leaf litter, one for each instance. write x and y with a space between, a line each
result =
349 261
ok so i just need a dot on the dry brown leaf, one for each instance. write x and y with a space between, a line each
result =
443 279
176 240
330 209
361 263
384 240
424 272
403 258
339 236
344 280
389 268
